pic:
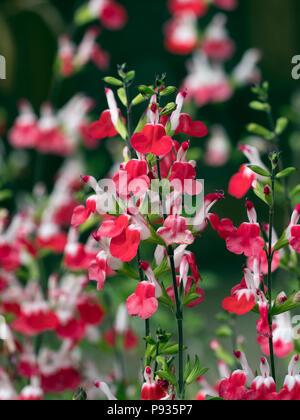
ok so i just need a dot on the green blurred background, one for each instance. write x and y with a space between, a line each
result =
28 39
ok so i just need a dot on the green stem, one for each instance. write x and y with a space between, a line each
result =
179 319
270 260
280 163
179 313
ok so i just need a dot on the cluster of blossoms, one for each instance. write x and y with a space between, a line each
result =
60 305
207 80
120 236
54 132
243 385
144 201
71 58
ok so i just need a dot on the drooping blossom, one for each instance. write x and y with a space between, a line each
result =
247 239
244 296
144 301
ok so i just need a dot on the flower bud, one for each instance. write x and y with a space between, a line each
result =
267 190
281 298
297 297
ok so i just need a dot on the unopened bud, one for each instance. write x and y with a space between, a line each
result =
281 298
267 190
297 297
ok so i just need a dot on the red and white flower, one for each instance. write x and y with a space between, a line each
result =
216 44
293 230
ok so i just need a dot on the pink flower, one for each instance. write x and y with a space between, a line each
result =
241 182
113 15
282 337
291 389
151 389
103 128
243 297
35 318
143 302
176 231
262 325
233 388
247 239
264 261
224 227
132 179
25 131
263 388
217 45
152 139
293 231
183 123
182 178
175 42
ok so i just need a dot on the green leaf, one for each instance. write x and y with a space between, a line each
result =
122 95
260 106
209 398
163 268
286 172
283 242
168 376
260 171
83 15
259 191
169 349
224 332
196 372
168 91
146 90
80 395
150 340
141 124
295 191
127 270
168 109
121 129
129 76
281 125
139 99
259 130
113 81
165 298
187 369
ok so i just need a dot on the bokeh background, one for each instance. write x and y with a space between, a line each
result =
28 39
